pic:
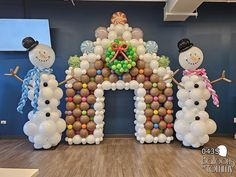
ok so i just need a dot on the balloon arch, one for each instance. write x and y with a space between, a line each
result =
119 59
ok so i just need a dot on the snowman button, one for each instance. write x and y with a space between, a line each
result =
196 86
47 102
196 103
45 84
47 114
197 118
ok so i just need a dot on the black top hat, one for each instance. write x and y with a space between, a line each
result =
29 43
184 44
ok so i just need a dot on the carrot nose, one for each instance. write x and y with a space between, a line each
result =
194 58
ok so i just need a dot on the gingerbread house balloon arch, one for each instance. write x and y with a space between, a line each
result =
119 59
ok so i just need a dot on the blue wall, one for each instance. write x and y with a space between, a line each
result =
214 31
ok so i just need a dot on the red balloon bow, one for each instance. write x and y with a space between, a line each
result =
119 49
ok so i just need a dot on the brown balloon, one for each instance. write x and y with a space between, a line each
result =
83 133
84 92
134 71
91 72
169 132
84 78
91 112
98 64
169 118
70 120
70 106
84 119
84 106
77 99
148 112
91 99
156 119
148 98
147 72
162 125
70 133
127 77
155 105
77 85
147 85
168 92
154 92
77 126
77 112
140 78
162 98
106 72
91 126
148 125
92 86
70 92
161 85
140 64
99 79
113 78
155 132
162 111
154 78
168 105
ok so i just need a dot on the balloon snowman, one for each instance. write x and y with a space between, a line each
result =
45 125
193 125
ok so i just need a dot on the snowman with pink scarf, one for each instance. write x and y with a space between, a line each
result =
193 124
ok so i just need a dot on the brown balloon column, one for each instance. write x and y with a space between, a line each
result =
119 59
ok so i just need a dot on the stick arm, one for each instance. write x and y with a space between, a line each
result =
174 80
66 80
13 72
222 77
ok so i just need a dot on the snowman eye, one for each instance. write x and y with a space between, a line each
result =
44 52
196 86
47 114
45 84
197 118
47 102
196 103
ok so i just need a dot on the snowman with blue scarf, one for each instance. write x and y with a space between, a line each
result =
45 125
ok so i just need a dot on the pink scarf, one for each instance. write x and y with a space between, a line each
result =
202 72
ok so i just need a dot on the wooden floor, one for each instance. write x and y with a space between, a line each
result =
114 157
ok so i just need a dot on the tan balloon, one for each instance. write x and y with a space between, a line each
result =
127 77
162 125
83 133
98 79
162 111
98 64
106 72
155 105
169 132
92 86
77 126
77 99
91 99
168 105
84 119
148 98
91 126
147 85
91 72
156 119
169 118
162 98
148 112
154 92
84 78
140 78
70 106
168 92
154 78
113 78
155 132
161 85
77 85
70 133
148 125
70 92
77 112
140 64
147 72
134 71
70 120
84 92
84 106
91 112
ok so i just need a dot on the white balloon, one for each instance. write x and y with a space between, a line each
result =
55 139
154 64
204 139
141 92
98 119
195 94
47 128
98 50
90 139
112 35
127 36
162 138
106 85
84 64
198 128
119 29
190 138
161 71
181 126
105 43
149 138
30 128
77 139
52 83
99 93
141 50
61 125
58 93
182 94
211 126
47 93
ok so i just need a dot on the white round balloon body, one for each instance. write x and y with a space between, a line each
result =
191 58
45 126
192 124
42 56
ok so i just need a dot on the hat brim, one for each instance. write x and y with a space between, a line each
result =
186 48
33 46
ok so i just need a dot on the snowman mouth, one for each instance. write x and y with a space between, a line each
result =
43 60
192 63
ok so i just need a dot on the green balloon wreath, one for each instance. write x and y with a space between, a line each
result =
120 56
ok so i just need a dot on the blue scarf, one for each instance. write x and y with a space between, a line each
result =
32 74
